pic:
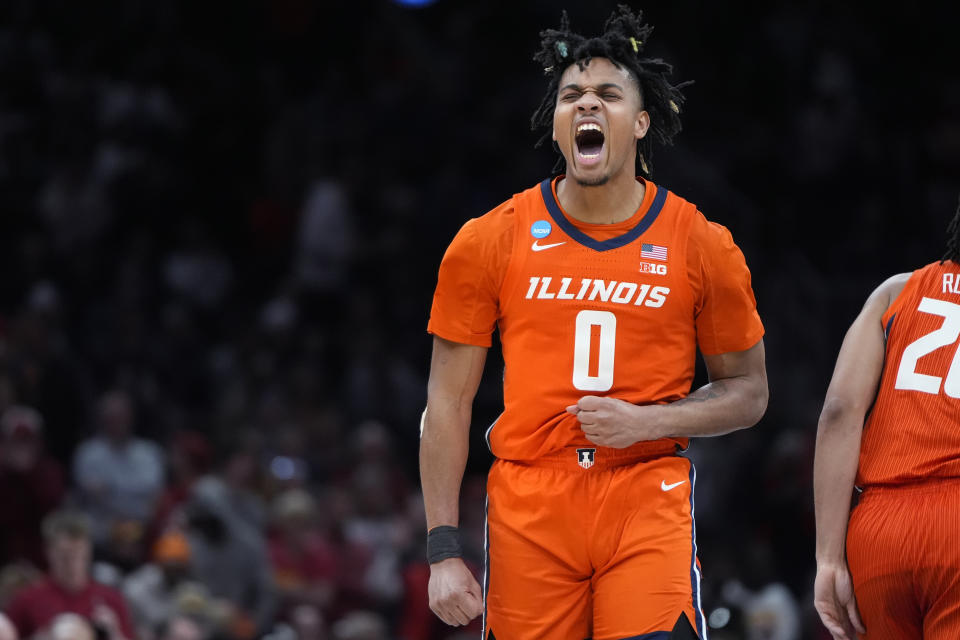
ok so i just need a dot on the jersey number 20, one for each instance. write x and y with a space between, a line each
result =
907 376
582 348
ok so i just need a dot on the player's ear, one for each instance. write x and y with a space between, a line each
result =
642 125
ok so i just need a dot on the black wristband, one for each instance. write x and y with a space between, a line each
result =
443 542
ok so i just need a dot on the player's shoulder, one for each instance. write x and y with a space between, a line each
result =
896 282
707 235
497 224
673 199
886 293
496 219
702 228
921 278
485 239
492 229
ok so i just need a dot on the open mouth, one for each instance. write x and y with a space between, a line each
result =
589 139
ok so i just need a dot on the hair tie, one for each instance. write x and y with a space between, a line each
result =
636 44
562 49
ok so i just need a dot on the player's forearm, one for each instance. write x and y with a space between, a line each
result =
444 445
720 407
834 472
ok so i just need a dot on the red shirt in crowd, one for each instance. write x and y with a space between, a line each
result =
316 561
36 606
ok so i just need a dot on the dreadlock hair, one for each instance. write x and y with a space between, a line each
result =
622 42
953 239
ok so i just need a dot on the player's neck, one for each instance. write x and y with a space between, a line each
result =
613 202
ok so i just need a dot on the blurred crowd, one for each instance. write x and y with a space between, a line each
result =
219 233
179 541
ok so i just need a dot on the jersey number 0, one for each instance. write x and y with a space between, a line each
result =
583 347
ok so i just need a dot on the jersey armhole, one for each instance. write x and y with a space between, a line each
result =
886 320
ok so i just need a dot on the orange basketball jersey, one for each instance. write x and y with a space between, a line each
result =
913 431
589 309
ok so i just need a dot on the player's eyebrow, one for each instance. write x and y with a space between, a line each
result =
605 85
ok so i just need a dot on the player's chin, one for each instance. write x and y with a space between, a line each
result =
589 176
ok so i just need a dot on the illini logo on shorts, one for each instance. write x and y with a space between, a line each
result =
586 457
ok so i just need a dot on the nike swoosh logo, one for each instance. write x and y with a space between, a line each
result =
542 247
666 487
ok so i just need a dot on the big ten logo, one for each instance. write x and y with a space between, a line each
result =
649 267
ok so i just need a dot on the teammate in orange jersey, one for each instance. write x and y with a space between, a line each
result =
900 362
602 286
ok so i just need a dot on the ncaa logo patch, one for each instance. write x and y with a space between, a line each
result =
540 229
585 457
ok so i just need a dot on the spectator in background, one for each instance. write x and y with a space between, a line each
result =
70 626
360 625
287 469
377 526
240 475
47 374
374 451
769 611
377 523
119 478
228 557
182 627
324 244
354 557
31 485
152 589
69 587
416 620
189 458
7 393
308 623
304 561
16 577
196 269
74 205
7 630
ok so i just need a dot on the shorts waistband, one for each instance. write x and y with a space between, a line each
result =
600 458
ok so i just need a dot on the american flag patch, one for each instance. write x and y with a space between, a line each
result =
653 251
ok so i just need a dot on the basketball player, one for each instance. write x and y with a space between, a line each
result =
900 362
602 285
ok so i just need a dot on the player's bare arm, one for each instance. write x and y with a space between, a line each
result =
455 371
736 397
851 392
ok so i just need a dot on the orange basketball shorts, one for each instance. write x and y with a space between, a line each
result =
589 543
905 560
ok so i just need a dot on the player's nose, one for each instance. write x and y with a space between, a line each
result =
588 102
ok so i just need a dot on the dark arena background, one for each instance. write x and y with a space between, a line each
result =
220 225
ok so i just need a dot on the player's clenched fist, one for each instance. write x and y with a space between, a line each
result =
455 595
610 422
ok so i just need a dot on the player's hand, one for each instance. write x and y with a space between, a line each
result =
833 597
455 595
610 422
